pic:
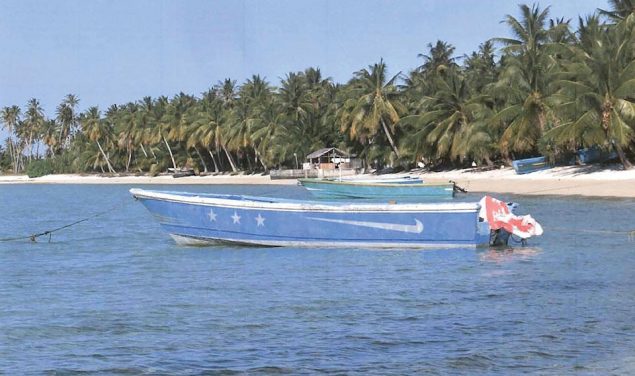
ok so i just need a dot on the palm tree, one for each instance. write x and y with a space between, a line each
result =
146 122
481 68
373 108
127 125
10 117
298 102
253 96
294 97
226 91
418 83
439 59
93 126
66 119
446 118
205 128
240 127
33 124
524 81
271 136
160 131
174 123
621 9
50 137
598 95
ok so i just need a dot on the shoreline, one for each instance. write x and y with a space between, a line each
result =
590 181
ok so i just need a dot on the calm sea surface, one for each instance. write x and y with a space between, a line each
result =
115 295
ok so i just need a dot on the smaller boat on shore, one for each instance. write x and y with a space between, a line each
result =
376 188
526 166
595 154
181 172
203 219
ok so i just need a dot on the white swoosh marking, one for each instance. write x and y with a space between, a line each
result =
417 228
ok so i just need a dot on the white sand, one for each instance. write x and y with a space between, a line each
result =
570 180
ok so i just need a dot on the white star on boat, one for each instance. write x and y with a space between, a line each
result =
236 218
212 215
261 220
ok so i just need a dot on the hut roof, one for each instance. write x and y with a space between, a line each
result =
321 152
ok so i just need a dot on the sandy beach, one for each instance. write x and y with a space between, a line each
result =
570 180
596 181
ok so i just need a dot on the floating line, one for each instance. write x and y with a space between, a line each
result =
33 237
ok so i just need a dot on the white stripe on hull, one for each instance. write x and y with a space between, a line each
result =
194 241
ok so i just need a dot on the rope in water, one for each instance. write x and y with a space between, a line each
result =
33 237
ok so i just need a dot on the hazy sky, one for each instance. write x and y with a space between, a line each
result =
109 52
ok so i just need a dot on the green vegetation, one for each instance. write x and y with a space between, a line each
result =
552 91
39 168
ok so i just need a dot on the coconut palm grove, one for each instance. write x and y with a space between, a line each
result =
552 88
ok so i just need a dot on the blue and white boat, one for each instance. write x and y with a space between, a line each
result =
199 219
328 188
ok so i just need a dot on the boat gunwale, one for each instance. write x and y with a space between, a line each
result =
279 204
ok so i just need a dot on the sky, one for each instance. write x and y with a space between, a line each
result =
114 51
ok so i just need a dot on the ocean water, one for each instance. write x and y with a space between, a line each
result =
115 295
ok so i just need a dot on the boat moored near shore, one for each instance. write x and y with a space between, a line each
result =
199 219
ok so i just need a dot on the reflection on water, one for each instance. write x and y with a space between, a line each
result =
501 255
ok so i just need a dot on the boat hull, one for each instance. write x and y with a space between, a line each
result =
213 219
348 189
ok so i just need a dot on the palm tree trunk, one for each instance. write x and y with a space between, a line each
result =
30 146
258 157
170 151
229 157
143 150
129 158
392 143
11 154
541 121
620 153
606 121
60 138
18 159
249 166
153 154
201 158
213 160
106 158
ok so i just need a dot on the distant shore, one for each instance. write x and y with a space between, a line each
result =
145 179
571 180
